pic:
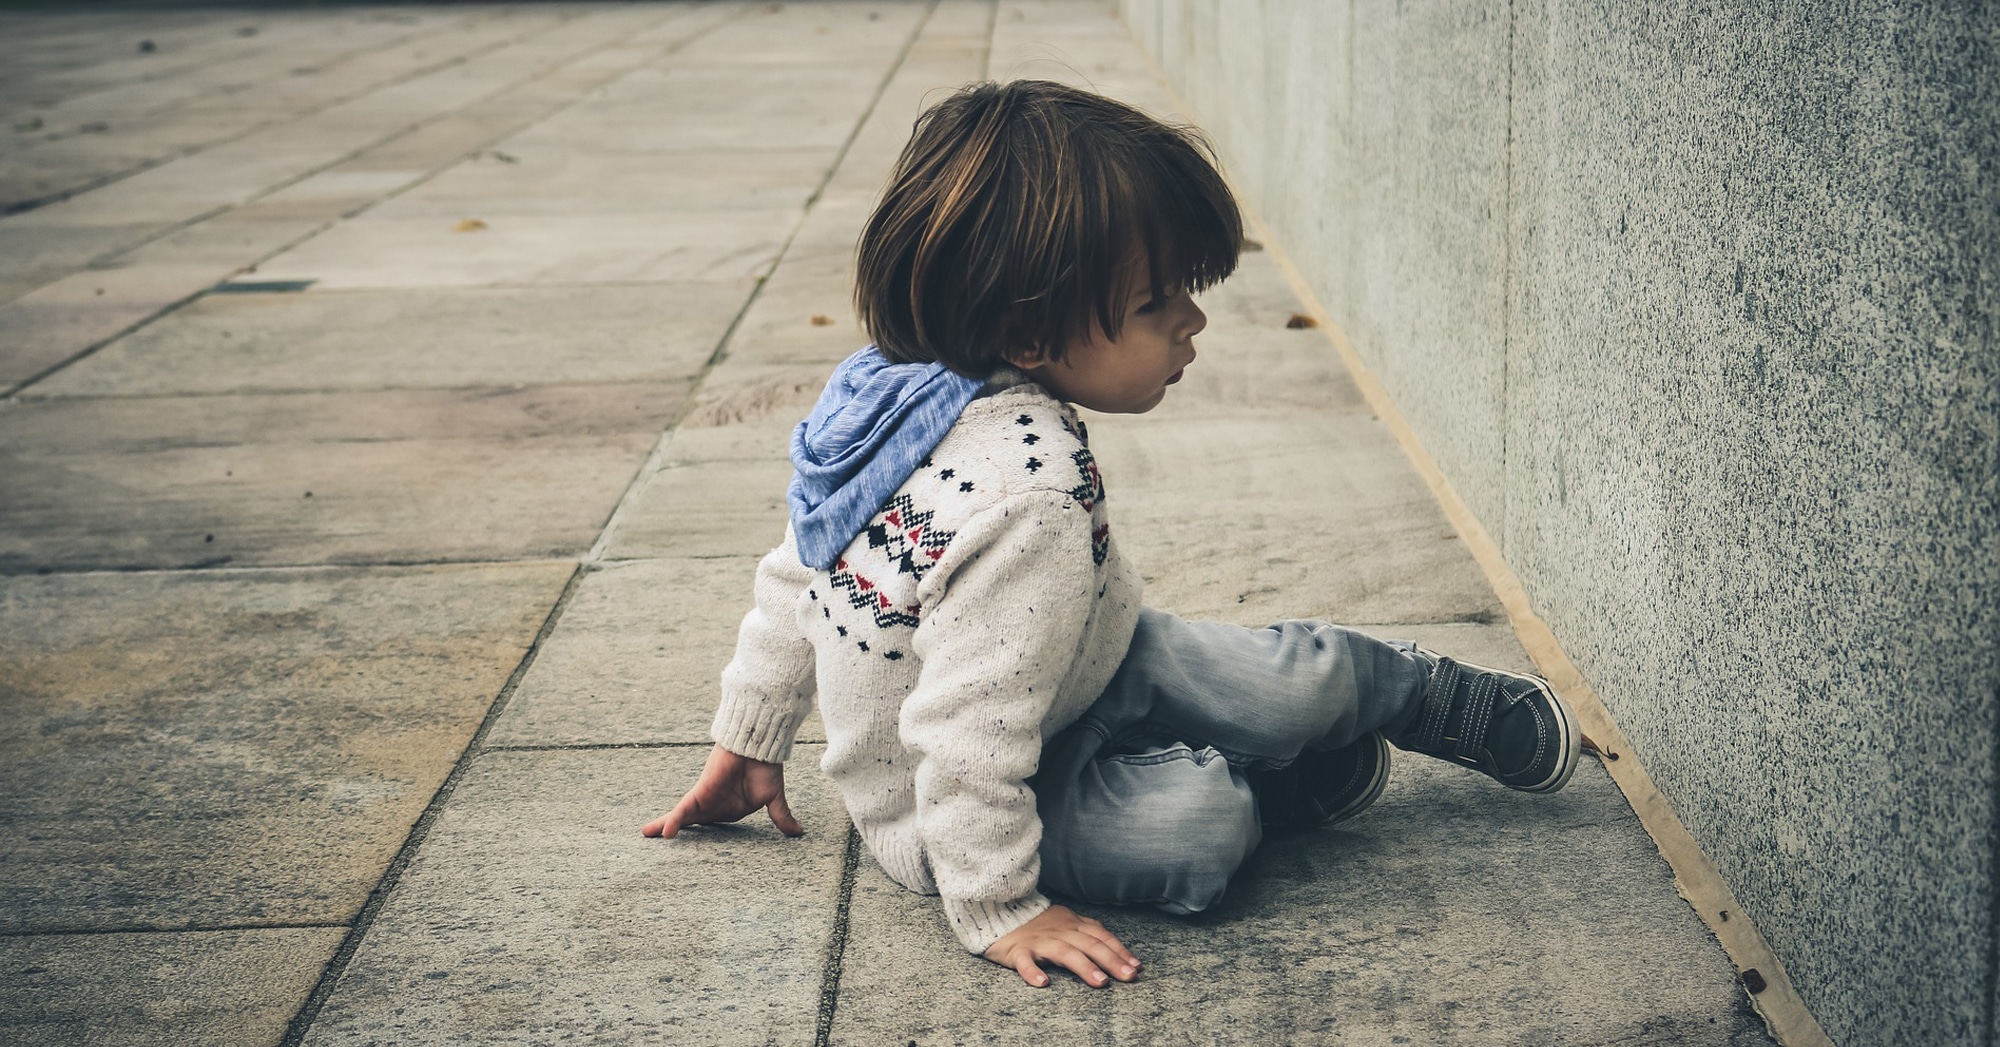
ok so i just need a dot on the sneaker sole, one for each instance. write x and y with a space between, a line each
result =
1368 796
1569 744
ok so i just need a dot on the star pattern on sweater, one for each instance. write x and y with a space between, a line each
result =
901 534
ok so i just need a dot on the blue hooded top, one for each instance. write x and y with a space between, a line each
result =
872 425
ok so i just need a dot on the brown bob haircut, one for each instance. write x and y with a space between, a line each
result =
1012 217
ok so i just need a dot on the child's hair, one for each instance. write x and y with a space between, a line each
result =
1013 217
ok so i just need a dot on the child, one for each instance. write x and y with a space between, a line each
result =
1002 715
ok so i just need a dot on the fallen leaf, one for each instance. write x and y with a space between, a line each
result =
1300 322
468 225
33 123
822 320
1251 246
146 47
1752 981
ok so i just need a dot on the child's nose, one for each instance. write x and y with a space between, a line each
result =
1196 319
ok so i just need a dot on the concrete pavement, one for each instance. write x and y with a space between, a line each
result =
395 406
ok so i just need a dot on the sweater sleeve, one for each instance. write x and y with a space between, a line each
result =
995 645
767 687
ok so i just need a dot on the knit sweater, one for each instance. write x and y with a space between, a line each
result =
978 613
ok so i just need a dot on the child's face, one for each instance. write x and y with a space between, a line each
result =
1129 375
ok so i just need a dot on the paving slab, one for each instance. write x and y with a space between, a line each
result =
799 320
230 174
527 177
867 32
1443 915
636 658
62 319
729 508
536 913
272 54
204 179
746 412
193 988
229 343
390 476
437 251
193 750
1283 514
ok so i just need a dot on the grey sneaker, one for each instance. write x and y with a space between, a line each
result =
1510 726
1320 788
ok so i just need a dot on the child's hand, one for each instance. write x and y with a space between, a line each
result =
1060 936
730 787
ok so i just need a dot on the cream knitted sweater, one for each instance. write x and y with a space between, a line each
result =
980 612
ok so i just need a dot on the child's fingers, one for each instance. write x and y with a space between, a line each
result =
667 826
781 816
1110 956
1077 962
1030 971
1101 933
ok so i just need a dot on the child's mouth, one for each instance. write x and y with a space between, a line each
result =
1176 376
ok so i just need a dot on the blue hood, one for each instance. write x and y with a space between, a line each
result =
872 425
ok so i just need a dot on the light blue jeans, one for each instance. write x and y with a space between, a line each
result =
1144 800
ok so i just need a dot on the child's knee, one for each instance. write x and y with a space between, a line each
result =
1200 875
1166 828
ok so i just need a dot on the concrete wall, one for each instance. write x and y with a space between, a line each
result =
1695 306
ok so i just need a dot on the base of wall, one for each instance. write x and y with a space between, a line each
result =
1695 876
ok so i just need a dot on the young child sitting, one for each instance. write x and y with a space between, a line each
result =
1002 714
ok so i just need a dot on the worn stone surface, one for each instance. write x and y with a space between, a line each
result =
537 912
202 989
320 477
1441 915
1283 515
231 343
731 508
200 750
636 657
540 248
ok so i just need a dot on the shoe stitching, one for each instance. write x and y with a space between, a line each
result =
1479 700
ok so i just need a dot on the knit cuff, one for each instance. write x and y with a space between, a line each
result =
759 730
979 924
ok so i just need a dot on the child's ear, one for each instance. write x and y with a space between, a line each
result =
1025 359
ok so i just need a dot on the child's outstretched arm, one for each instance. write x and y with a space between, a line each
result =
730 787
767 690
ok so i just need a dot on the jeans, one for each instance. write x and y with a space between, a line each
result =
1144 800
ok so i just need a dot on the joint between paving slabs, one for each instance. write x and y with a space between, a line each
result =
657 456
836 941
336 966
154 928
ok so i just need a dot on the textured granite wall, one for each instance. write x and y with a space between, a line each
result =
1695 305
